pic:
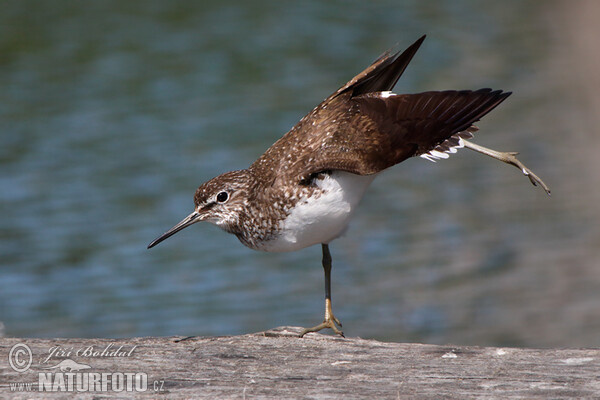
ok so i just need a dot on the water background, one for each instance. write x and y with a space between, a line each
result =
112 113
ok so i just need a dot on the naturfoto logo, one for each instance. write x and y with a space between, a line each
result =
63 374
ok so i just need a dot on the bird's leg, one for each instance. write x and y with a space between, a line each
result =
509 158
330 320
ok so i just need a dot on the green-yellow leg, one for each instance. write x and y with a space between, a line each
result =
508 157
330 320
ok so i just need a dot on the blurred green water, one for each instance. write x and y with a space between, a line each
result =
112 114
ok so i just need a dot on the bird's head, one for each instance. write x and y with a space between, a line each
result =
220 201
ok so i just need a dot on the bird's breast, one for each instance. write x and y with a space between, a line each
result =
322 214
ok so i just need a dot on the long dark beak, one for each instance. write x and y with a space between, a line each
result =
187 221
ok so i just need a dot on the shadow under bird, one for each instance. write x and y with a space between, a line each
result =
305 188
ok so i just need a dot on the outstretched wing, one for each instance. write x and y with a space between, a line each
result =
382 129
281 159
364 128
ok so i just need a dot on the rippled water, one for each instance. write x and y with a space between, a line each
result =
112 114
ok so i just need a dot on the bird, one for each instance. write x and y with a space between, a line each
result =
305 188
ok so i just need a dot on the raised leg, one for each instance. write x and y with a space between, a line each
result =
330 320
509 158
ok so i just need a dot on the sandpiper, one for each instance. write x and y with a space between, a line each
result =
305 188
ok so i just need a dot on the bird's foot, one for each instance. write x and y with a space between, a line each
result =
330 322
509 157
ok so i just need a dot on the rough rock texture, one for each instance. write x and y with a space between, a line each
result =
277 364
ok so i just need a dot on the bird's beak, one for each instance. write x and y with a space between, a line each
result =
187 221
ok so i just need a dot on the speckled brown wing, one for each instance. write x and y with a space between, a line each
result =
281 160
363 128
370 133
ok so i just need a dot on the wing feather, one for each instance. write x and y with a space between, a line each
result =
377 132
363 128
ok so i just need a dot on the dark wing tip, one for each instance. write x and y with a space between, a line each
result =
383 73
394 52
420 40
429 118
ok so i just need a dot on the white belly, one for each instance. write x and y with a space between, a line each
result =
320 219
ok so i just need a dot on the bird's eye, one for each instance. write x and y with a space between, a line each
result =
222 197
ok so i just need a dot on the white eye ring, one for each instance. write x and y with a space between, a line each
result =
222 197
